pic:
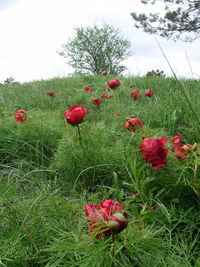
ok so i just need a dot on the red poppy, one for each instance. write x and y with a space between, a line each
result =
75 114
109 216
20 115
51 93
107 96
96 101
149 93
105 73
154 151
158 73
135 94
132 124
181 151
114 83
87 89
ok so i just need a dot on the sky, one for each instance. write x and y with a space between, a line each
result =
33 31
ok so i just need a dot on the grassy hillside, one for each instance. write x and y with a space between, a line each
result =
48 173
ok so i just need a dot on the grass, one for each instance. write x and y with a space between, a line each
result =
47 177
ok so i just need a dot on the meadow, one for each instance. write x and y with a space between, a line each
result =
50 169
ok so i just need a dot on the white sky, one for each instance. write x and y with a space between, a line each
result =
31 32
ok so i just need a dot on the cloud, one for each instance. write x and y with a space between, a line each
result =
6 3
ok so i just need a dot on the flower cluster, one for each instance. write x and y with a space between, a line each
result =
136 94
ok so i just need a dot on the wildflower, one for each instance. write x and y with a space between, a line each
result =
104 73
107 96
132 124
50 93
87 89
181 151
113 84
154 151
135 94
20 115
106 218
75 114
149 93
96 101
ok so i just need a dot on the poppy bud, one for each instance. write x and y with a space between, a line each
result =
117 223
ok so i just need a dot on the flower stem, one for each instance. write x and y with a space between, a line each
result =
113 249
79 135
195 180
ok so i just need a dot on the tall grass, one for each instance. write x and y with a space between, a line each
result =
47 177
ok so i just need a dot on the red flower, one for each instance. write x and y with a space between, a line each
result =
135 94
106 96
181 151
149 93
87 89
105 73
132 124
108 217
157 73
75 114
96 101
154 151
114 83
51 93
20 115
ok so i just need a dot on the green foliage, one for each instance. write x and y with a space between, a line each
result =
180 21
96 49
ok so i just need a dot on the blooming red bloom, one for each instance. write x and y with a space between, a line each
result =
106 96
20 115
109 216
105 73
157 73
180 150
149 93
96 101
114 83
154 151
87 89
132 124
51 93
75 114
135 94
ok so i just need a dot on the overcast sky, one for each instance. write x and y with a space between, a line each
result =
32 31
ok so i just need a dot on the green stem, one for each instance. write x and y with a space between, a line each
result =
113 249
79 135
195 180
